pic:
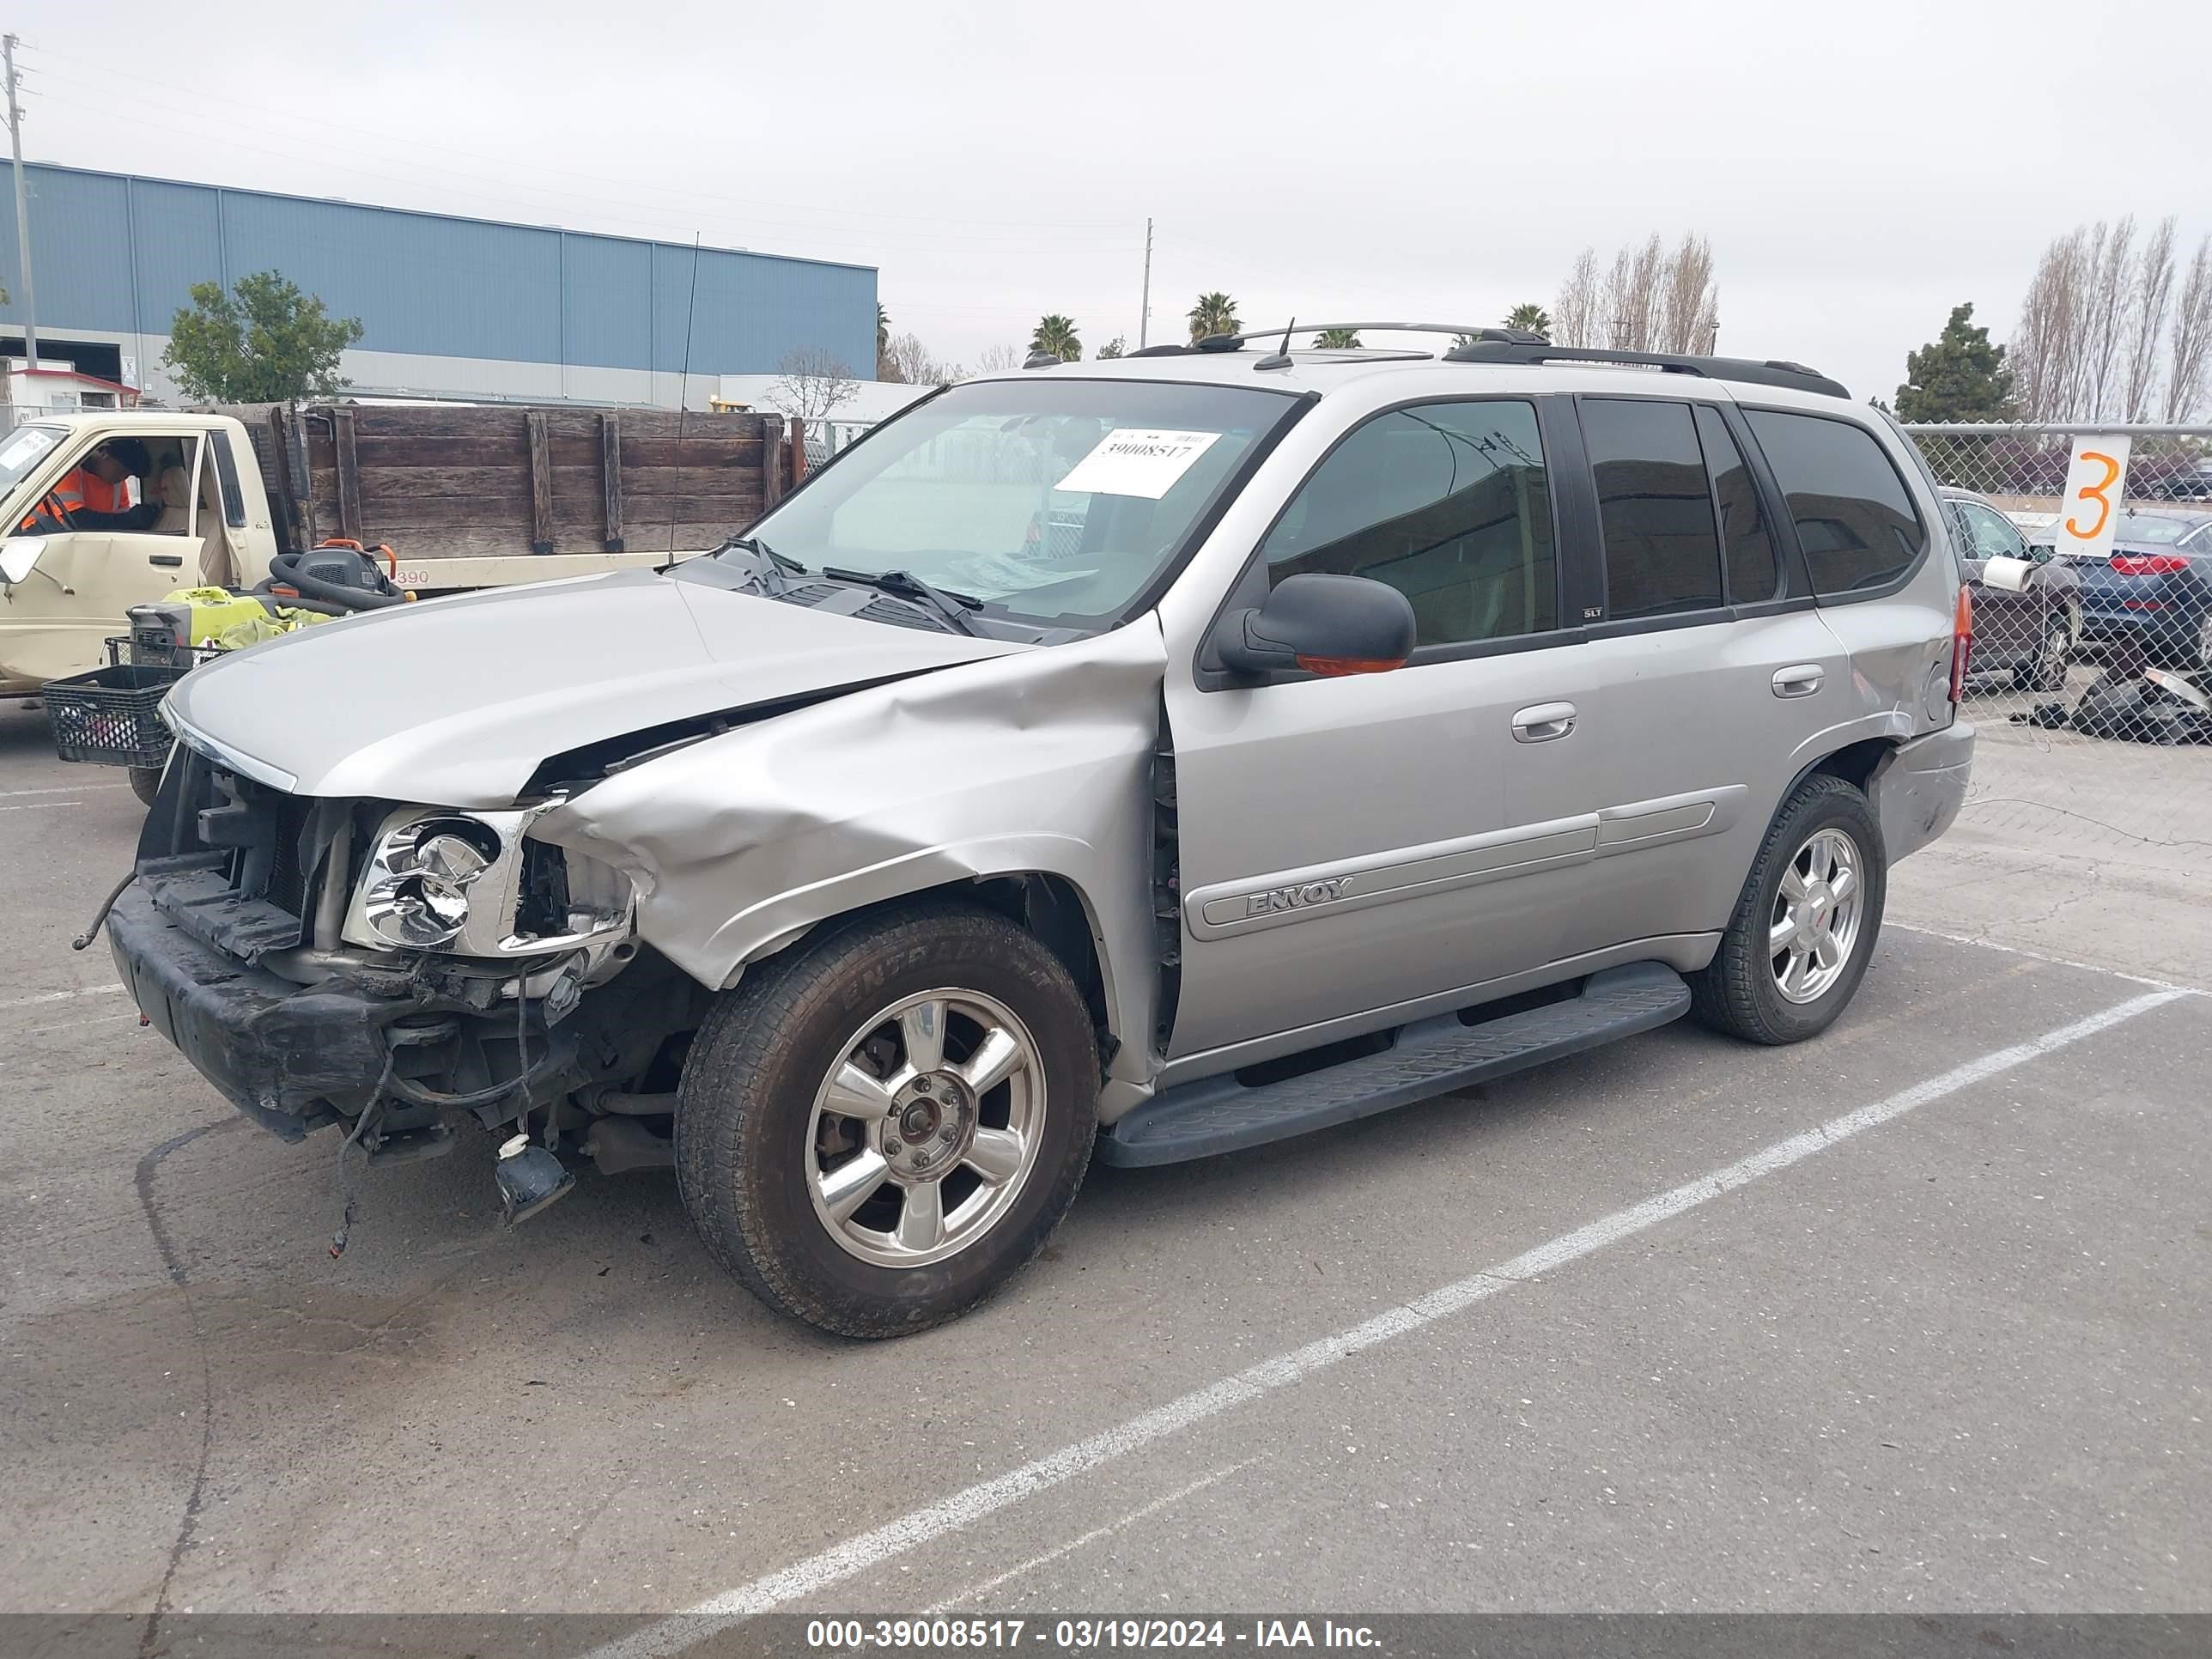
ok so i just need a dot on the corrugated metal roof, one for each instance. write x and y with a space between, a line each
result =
119 253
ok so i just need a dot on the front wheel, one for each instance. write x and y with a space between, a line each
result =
879 1128
1797 946
146 782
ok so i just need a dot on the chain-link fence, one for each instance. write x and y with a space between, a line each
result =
2090 677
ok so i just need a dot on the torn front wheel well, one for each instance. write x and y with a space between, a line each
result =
1050 906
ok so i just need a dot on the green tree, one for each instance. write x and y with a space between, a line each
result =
1531 316
1957 376
1214 313
1337 339
1055 334
1116 347
887 367
264 342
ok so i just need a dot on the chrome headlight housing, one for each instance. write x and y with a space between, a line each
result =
419 890
475 884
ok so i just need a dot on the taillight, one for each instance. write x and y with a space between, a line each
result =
2149 564
1962 644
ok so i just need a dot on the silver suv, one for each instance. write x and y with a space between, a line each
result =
1147 760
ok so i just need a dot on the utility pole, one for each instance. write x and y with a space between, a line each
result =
1144 315
22 210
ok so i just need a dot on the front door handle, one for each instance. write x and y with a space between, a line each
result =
1800 681
1544 722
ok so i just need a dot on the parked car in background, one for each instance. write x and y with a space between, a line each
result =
2029 635
2155 590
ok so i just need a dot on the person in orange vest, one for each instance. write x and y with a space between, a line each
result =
94 495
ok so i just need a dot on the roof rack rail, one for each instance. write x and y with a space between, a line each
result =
1773 371
1236 342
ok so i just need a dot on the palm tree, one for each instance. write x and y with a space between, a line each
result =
1057 335
1214 313
883 329
1532 317
1337 339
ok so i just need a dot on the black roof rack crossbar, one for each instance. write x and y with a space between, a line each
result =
1773 371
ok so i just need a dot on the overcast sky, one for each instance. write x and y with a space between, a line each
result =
1859 168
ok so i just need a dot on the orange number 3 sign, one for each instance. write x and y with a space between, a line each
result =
2095 492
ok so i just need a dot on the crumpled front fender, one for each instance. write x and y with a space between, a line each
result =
1034 763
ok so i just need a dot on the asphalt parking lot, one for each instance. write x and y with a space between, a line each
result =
1908 1318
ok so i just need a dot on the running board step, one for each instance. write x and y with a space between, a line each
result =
1431 1057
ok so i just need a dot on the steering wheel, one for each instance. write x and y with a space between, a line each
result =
46 522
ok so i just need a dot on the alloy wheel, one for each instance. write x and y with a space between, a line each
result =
926 1128
1815 923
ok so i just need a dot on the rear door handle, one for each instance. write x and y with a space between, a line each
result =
1544 722
167 561
1800 681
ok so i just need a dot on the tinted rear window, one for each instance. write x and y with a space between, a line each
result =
1754 572
1854 519
1662 553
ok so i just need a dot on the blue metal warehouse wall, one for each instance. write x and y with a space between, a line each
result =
117 254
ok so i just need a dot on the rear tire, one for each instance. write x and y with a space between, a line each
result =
1745 990
859 1045
2046 672
146 782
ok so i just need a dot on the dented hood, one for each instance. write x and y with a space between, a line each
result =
455 702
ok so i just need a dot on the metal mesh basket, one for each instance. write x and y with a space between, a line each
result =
112 715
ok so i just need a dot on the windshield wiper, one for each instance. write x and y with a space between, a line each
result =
753 545
951 607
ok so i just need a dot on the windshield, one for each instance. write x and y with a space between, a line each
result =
22 450
1057 501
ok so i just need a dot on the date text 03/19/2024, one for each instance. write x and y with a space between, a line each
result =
1084 1635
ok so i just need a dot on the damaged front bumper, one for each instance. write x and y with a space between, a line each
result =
295 1058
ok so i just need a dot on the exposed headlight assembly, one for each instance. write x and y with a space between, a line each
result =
472 883
422 880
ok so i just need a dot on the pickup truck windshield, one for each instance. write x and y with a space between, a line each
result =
26 447
1057 501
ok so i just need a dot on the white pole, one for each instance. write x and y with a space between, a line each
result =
22 211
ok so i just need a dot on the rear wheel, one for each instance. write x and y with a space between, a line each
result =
876 1130
2047 670
146 782
1797 946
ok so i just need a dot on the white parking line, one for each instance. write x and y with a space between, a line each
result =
2042 955
963 1509
41 806
60 996
62 789
1089 1538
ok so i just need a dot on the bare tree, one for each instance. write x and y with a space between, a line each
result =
2189 355
1575 312
915 363
811 385
1689 300
2101 328
1631 297
2146 302
1648 299
2045 351
997 359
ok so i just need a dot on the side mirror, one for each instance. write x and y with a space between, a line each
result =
1323 624
19 556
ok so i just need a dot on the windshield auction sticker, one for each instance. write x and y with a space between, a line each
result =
1133 460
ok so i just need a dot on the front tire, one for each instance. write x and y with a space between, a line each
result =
877 1128
1805 924
146 782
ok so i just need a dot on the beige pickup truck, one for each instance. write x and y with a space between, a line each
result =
465 503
